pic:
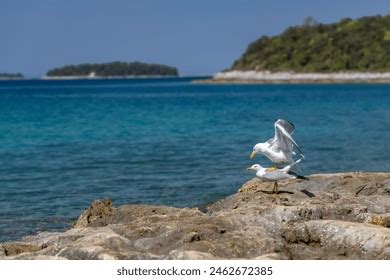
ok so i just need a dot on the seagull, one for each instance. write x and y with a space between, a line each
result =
279 149
275 174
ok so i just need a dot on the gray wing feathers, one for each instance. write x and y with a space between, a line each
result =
283 131
289 127
275 175
287 135
282 173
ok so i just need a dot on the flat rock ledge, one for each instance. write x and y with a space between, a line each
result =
331 216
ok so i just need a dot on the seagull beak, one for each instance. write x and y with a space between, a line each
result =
252 155
249 168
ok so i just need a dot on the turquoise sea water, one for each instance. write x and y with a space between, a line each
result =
64 144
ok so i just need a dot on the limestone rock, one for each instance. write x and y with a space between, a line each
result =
331 216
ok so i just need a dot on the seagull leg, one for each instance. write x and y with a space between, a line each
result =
275 190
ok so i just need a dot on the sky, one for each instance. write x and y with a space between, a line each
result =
199 37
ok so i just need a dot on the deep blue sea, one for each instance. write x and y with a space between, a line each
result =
64 144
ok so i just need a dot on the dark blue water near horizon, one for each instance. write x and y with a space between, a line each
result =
64 144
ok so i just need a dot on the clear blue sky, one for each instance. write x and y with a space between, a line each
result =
198 37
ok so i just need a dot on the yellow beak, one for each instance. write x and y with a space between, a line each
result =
252 155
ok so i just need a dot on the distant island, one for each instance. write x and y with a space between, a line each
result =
10 76
349 45
113 69
349 50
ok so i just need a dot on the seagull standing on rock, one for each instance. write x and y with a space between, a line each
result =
275 174
279 149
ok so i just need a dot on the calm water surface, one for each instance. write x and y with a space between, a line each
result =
64 144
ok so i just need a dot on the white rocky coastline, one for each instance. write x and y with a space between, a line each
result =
236 76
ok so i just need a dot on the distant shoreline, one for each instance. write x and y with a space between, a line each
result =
11 79
106 77
267 77
59 78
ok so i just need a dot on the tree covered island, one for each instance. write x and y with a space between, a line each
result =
361 45
113 69
11 76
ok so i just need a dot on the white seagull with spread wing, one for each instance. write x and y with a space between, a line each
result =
279 149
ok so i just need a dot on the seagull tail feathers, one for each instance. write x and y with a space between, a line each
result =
302 177
288 167
299 176
296 162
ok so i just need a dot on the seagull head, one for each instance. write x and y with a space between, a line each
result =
257 149
254 167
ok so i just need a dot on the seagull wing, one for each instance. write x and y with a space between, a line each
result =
288 126
275 174
280 142
284 138
281 132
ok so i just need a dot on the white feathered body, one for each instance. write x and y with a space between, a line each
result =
280 148
276 174
277 155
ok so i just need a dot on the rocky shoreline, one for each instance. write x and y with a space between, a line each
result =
267 77
331 216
